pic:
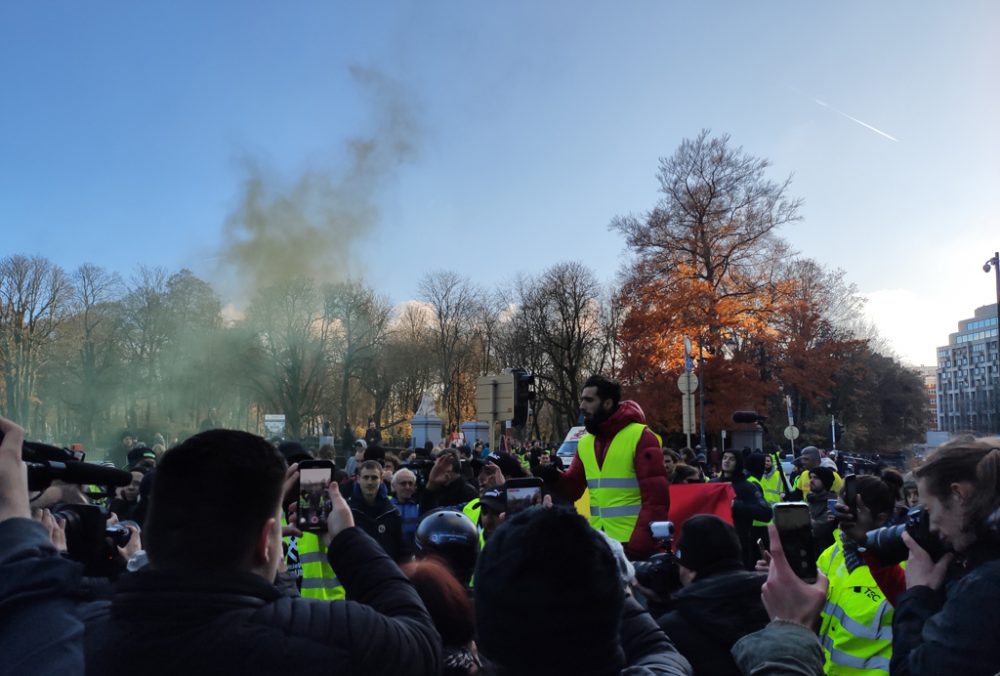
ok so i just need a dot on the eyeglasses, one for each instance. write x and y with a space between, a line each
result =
406 483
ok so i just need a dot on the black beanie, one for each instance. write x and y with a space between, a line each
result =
824 474
708 544
515 585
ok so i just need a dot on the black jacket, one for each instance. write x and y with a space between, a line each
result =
712 614
458 492
956 631
749 505
380 519
171 622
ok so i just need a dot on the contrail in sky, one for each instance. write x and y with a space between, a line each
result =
854 119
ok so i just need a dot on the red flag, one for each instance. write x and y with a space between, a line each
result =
687 500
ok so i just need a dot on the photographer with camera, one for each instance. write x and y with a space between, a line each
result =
40 634
946 620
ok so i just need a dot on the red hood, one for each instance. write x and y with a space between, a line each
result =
628 412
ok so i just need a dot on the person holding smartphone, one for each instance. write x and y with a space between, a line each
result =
856 622
207 602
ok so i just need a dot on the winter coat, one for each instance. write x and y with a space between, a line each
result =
40 634
380 519
164 622
952 631
654 488
711 614
748 505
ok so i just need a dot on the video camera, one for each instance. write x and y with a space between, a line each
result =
660 573
89 539
50 463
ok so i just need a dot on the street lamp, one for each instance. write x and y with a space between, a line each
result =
995 262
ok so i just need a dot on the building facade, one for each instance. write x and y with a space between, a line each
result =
968 376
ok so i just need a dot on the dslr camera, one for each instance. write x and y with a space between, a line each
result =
887 542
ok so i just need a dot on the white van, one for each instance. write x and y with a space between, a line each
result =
567 450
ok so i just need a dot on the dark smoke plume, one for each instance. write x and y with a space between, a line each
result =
310 226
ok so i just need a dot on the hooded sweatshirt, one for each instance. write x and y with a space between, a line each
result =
649 470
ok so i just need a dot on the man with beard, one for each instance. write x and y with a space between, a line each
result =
620 461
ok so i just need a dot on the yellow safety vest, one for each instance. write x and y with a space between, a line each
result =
614 488
471 510
856 622
772 487
318 579
755 480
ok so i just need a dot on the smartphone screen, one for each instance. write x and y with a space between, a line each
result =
795 529
523 493
314 501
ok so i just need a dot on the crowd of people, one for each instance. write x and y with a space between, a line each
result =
422 569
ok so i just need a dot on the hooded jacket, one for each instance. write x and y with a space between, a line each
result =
649 470
711 614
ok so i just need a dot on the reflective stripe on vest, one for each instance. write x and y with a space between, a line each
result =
856 622
615 499
755 480
318 579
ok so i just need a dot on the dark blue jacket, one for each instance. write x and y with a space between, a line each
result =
39 633
956 631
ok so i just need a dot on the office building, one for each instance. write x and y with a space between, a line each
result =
968 376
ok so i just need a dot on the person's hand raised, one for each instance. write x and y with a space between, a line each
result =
491 476
13 474
785 595
438 476
340 517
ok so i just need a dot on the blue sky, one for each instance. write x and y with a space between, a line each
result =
125 129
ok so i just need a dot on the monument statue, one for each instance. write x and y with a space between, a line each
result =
426 408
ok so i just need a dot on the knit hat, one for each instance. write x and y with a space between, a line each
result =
824 474
708 544
810 452
513 582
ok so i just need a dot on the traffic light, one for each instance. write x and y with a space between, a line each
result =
524 394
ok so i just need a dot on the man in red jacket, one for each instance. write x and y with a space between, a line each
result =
620 460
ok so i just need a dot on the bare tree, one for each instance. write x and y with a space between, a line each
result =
361 318
292 334
33 297
145 332
562 314
453 300
95 295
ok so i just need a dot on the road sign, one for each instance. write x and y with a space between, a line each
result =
791 432
495 396
687 411
687 383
